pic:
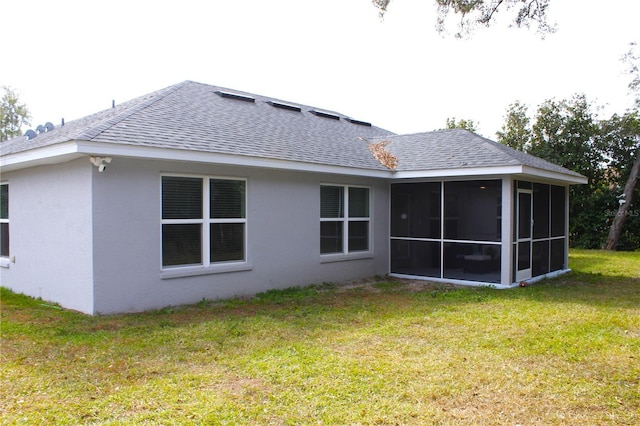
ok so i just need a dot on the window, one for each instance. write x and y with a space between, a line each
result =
344 219
203 220
4 220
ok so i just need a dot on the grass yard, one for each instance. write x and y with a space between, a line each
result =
562 351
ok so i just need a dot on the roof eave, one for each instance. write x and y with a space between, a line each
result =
52 154
515 171
570 178
67 151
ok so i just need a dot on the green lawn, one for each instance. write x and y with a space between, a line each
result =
562 351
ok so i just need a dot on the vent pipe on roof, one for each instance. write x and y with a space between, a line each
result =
62 122
113 103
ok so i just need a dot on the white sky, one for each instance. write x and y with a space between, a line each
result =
71 58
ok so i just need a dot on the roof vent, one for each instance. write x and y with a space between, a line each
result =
362 123
284 106
324 114
40 129
236 96
30 134
48 126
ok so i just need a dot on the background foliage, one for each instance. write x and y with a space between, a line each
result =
568 133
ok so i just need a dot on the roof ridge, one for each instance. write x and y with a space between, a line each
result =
153 97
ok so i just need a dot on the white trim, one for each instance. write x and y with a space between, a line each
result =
524 274
345 220
520 172
480 283
567 194
537 278
456 173
53 154
453 281
530 172
206 267
214 268
4 260
341 257
71 150
506 251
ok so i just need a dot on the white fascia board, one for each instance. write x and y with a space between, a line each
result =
484 172
53 154
154 153
461 172
67 151
554 176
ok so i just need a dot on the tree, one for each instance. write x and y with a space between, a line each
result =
13 115
516 131
469 125
567 133
621 140
607 152
473 13
632 60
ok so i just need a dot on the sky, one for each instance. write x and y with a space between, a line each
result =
68 59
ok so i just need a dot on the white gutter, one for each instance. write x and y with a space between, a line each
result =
67 151
71 150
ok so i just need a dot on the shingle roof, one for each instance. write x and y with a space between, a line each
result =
203 118
456 149
192 116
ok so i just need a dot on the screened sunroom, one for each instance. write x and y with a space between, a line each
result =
494 231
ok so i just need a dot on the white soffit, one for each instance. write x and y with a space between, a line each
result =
68 151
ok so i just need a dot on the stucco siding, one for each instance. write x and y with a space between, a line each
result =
283 225
50 234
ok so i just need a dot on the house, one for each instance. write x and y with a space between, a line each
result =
196 191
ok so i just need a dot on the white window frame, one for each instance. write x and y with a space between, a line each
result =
345 254
4 260
206 266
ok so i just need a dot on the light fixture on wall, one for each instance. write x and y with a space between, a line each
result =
100 162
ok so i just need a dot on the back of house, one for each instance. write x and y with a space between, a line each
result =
197 191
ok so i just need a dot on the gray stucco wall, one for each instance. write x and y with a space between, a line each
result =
283 228
50 234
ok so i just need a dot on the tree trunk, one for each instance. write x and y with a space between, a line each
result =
621 215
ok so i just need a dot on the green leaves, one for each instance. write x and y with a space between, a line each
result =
516 132
469 125
469 14
13 114
569 133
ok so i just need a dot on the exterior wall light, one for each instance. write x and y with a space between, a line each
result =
100 162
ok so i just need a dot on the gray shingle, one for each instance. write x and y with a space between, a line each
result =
458 148
191 116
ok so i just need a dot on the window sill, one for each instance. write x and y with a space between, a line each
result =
191 271
4 262
341 257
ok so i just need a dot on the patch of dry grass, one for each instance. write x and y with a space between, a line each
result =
564 351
